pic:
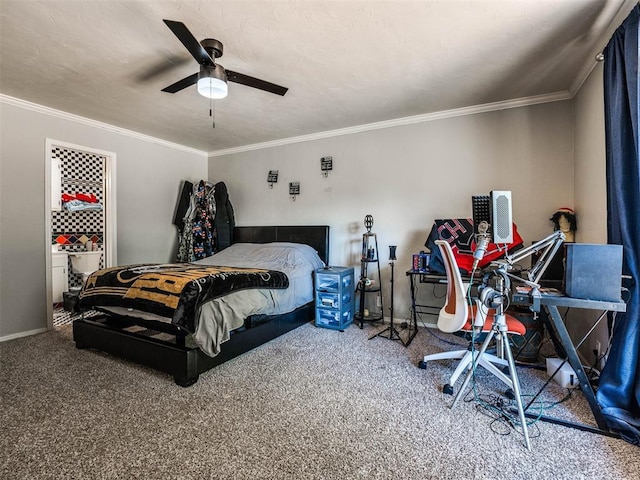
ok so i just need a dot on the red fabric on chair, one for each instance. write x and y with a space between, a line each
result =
514 326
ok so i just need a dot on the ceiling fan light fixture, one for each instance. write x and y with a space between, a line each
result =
212 82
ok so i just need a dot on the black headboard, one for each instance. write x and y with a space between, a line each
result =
316 236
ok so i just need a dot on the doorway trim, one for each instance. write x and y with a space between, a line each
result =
110 212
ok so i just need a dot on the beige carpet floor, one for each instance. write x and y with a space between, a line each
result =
312 404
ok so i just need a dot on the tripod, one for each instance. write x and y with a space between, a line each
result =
393 333
494 299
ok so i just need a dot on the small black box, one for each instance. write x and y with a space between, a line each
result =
593 271
70 301
554 274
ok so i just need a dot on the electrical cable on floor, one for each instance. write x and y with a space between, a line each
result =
499 410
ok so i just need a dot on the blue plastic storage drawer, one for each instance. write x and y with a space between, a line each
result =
332 300
330 283
332 318
334 297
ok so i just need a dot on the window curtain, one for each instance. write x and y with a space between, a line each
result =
619 389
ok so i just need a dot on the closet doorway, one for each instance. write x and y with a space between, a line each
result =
80 215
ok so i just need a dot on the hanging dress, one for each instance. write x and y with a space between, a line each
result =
197 237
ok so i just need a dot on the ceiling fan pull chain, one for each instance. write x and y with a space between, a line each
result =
212 113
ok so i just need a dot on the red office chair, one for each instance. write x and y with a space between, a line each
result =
458 316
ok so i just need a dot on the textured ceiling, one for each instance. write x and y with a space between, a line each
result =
346 63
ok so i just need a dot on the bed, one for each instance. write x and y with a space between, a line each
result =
188 344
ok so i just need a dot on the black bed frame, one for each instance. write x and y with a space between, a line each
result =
106 332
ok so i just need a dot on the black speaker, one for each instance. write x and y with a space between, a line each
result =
594 271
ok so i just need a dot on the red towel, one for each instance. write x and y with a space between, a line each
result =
84 197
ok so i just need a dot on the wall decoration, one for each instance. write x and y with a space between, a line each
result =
294 189
326 164
272 178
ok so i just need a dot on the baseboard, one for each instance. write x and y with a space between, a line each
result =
13 336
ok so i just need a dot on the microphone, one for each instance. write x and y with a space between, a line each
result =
482 242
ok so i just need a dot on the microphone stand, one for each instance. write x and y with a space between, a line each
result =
393 333
496 299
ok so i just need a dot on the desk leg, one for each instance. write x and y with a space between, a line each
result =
413 301
576 364
414 315
548 325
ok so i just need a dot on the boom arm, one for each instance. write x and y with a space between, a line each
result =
549 247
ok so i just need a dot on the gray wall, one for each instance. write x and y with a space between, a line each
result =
404 176
408 176
590 160
148 182
590 191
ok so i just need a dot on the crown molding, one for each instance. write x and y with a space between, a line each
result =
427 117
17 102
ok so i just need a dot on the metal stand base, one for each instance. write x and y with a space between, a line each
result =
393 333
500 329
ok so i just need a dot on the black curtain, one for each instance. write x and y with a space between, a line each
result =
619 390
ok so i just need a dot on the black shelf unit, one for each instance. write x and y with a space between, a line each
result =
369 272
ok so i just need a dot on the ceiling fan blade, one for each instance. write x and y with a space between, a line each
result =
188 40
255 83
182 84
159 69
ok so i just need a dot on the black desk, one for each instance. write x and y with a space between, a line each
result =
416 278
551 303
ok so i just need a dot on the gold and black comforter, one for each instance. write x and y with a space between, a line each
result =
172 291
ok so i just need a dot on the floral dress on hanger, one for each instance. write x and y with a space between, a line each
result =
197 239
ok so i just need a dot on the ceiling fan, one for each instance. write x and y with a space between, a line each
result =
212 77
